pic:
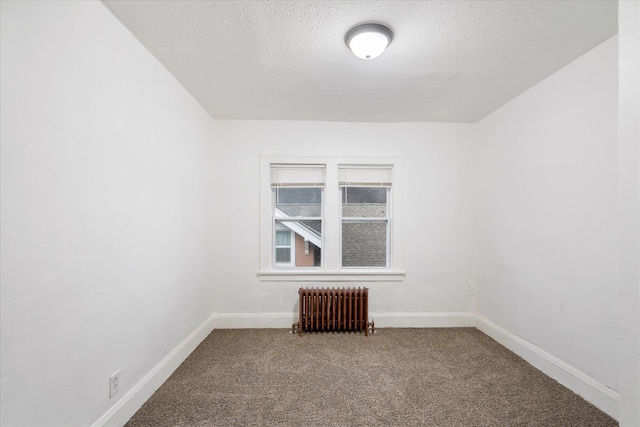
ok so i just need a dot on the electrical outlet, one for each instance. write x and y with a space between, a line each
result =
114 383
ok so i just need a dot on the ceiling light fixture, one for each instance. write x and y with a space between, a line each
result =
368 41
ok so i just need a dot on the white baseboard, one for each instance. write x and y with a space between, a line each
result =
382 320
129 404
604 398
423 320
254 320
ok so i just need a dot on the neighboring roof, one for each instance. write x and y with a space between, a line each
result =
300 228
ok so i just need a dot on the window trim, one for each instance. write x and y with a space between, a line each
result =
331 269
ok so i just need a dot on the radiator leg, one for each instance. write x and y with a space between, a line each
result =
366 328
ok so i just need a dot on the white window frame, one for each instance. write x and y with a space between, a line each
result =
331 269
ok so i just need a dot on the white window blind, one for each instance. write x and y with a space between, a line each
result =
283 175
365 176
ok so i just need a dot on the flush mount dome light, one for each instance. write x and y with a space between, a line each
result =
368 41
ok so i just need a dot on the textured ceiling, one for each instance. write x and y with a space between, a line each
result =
450 61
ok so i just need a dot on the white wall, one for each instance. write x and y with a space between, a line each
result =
438 228
628 212
107 219
547 243
106 228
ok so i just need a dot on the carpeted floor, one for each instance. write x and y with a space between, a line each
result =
397 377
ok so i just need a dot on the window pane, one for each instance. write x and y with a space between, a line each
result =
299 202
283 238
364 243
307 242
283 255
359 202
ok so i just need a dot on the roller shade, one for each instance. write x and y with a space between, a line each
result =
365 176
297 175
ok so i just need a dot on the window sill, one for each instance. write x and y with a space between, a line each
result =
333 276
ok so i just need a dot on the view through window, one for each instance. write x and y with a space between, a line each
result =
362 228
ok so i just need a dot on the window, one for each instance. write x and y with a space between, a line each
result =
364 227
284 244
297 214
365 215
330 219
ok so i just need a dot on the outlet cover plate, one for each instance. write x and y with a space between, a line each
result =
114 383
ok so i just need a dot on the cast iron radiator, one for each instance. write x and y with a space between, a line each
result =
333 309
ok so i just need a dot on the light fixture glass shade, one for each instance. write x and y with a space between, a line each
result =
368 41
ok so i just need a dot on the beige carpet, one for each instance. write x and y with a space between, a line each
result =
397 377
